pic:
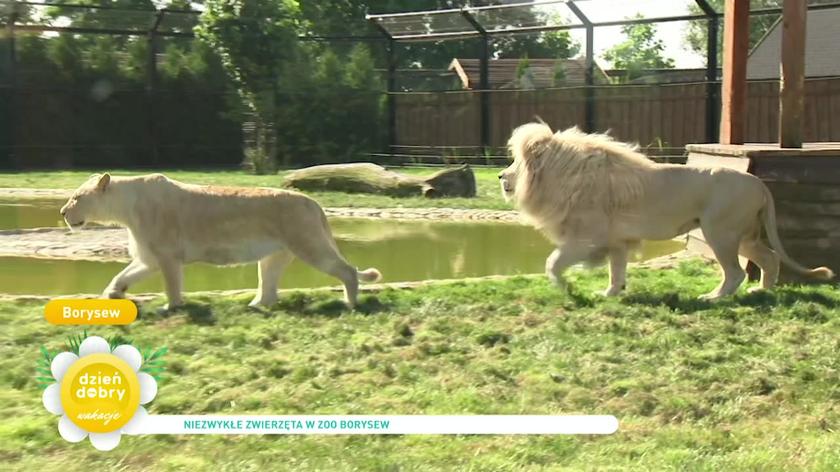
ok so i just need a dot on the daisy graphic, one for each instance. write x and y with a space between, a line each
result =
52 394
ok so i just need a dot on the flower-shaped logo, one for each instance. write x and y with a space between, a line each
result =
99 392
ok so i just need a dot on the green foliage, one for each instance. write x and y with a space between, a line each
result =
522 67
153 362
74 341
104 81
696 32
254 40
559 74
43 369
639 51
343 103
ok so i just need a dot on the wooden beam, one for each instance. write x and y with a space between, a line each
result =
792 85
736 38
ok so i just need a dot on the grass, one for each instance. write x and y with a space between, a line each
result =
749 383
489 196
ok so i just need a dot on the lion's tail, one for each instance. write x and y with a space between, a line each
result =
768 217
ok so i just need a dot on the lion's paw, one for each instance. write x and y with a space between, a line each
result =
262 303
169 308
113 294
611 291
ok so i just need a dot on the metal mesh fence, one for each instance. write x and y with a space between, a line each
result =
84 85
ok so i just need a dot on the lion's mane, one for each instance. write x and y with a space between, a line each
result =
571 171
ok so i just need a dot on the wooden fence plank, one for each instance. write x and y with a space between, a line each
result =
674 112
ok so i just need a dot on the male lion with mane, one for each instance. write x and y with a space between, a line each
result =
172 223
595 197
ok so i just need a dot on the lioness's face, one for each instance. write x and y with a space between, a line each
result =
507 179
86 202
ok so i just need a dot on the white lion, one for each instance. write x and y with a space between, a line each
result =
596 198
172 223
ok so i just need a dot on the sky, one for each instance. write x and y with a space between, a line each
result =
671 33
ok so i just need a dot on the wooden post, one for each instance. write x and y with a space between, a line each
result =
736 37
792 84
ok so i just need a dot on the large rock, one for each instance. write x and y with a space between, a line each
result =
371 178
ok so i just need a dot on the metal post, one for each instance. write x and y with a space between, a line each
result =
485 94
712 85
391 98
7 157
484 81
151 89
589 77
392 83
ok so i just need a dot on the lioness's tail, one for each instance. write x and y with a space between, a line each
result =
369 275
768 217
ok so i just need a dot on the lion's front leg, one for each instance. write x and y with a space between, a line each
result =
173 280
133 273
618 271
564 257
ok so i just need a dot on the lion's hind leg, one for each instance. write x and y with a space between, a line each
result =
765 258
322 254
270 268
333 264
724 244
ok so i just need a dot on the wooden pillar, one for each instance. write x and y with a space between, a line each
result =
736 37
792 85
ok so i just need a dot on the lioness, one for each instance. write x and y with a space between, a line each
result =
595 198
172 223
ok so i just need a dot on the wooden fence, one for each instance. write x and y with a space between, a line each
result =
667 115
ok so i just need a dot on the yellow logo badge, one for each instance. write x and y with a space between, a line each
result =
100 393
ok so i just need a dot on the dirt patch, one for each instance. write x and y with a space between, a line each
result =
96 244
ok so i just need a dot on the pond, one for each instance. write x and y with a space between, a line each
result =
401 250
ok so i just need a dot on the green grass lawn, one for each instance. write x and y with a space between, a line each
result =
489 196
749 383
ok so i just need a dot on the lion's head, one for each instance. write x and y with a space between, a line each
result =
88 203
525 145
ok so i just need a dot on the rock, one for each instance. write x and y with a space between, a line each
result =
371 178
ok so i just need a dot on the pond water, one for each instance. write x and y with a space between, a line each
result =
401 250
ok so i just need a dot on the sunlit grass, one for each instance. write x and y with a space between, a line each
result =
749 383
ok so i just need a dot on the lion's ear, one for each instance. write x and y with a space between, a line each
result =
103 182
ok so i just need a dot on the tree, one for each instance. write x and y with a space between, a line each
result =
697 33
639 51
330 109
253 39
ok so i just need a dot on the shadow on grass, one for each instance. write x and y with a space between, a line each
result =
673 300
780 297
302 304
785 296
198 313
